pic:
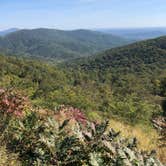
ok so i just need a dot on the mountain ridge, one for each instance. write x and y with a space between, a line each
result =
57 44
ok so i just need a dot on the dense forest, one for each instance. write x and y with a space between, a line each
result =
49 86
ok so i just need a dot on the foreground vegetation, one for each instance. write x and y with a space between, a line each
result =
63 137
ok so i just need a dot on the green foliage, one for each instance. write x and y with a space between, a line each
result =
64 138
134 110
162 87
36 139
134 69
43 142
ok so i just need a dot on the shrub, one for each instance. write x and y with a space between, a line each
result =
52 140
12 103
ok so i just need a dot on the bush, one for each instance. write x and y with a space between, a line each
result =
12 103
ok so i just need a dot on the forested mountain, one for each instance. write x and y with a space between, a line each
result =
136 33
57 44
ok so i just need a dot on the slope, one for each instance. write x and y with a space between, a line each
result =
133 58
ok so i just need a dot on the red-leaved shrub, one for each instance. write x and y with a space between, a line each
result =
73 114
12 103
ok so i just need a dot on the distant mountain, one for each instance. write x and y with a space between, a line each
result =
5 32
58 44
137 33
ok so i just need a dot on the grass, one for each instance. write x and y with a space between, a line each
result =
147 137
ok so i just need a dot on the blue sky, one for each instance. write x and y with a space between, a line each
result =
73 14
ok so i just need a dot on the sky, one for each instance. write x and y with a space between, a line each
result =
84 14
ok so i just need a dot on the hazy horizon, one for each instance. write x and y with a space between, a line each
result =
104 28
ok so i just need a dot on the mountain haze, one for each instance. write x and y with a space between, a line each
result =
136 33
5 32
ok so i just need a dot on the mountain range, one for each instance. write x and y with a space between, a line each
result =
136 33
57 44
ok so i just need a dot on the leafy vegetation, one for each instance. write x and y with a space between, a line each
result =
53 139
8 158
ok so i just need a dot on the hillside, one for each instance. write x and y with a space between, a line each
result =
57 44
140 55
146 60
49 86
